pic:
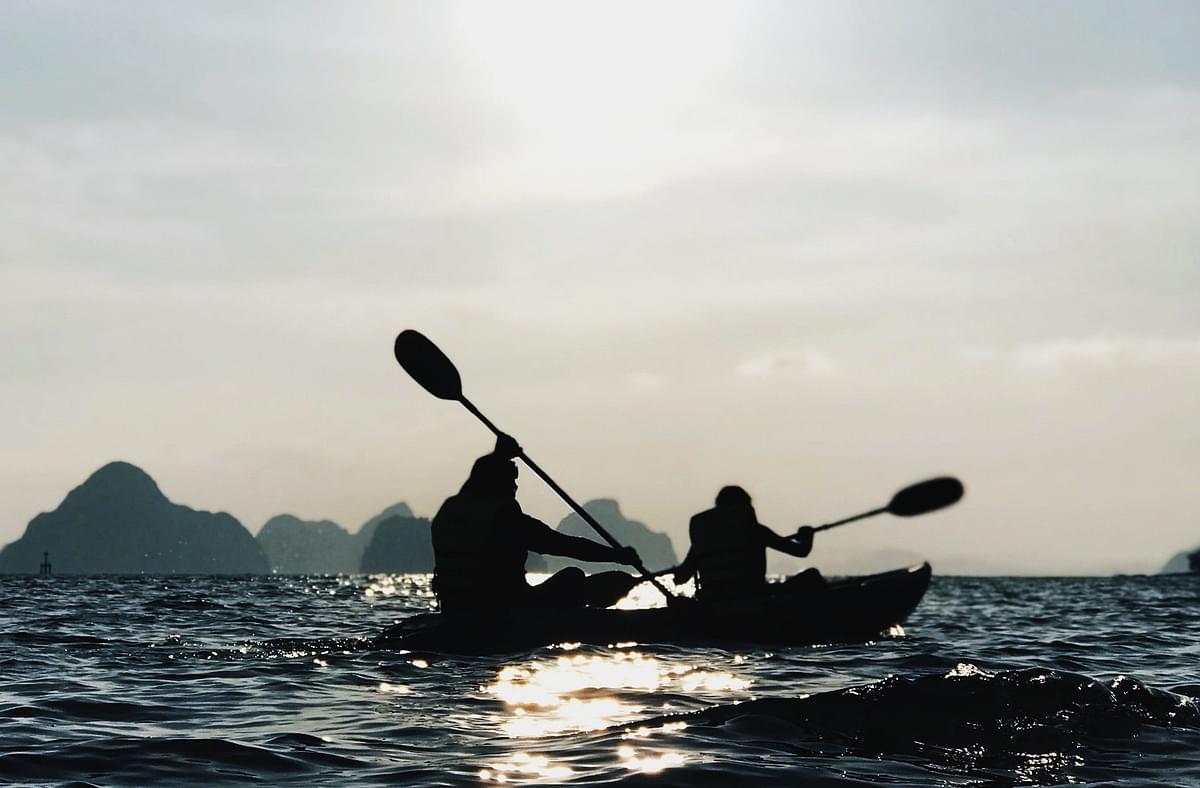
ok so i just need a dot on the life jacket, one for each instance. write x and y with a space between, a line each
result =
731 559
475 566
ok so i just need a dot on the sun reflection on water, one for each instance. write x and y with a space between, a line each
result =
523 766
642 596
587 692
381 586
1046 766
406 586
648 763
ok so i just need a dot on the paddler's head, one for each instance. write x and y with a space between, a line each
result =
733 496
491 476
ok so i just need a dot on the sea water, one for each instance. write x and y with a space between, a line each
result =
204 680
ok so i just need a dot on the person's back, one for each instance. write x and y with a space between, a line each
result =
730 557
476 566
481 540
728 552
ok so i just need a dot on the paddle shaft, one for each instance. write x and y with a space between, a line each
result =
533 466
871 513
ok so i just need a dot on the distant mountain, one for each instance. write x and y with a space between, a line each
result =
119 522
399 544
295 546
300 547
1187 561
366 533
654 548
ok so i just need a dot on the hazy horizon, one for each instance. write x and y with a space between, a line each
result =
819 250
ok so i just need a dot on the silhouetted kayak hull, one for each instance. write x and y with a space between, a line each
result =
851 609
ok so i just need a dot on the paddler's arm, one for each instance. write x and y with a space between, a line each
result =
686 569
799 545
541 538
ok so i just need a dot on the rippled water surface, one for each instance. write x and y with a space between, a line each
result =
995 681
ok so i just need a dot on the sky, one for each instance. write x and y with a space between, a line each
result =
821 250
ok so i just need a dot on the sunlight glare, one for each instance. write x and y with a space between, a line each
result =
556 59
713 682
583 692
643 731
642 596
524 765
594 93
649 764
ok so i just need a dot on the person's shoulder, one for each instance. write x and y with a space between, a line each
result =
509 507
510 512
447 504
701 517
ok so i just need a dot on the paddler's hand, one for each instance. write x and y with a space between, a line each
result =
804 538
507 446
627 556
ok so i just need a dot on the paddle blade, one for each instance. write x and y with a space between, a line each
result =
926 496
428 365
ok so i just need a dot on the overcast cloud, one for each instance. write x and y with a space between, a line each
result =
821 250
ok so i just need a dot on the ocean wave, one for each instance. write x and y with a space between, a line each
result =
1029 725
156 760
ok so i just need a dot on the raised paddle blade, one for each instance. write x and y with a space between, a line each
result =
428 365
926 496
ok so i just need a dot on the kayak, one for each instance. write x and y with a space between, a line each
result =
851 609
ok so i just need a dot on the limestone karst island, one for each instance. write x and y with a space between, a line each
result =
119 522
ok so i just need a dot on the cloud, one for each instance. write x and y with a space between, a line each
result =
646 382
804 362
1101 351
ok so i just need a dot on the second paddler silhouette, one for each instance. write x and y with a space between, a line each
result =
481 540
728 553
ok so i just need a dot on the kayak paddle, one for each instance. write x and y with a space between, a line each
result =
436 373
920 498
